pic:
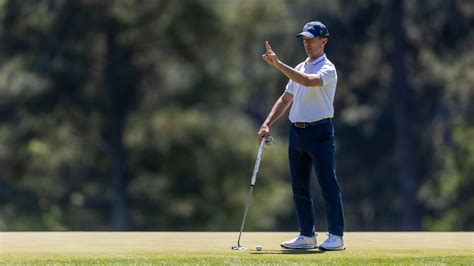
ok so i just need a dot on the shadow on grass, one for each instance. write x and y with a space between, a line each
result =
288 252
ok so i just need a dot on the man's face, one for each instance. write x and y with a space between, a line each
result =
313 46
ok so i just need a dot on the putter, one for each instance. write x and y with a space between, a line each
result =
252 184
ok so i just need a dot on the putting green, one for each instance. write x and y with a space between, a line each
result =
215 248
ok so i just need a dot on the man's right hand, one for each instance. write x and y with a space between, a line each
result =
269 56
264 132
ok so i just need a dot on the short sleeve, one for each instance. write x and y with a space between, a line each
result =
328 75
290 87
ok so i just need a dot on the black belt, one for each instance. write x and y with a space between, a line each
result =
308 124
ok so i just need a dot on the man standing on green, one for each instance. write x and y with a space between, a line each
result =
310 92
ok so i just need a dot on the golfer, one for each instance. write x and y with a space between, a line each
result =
310 92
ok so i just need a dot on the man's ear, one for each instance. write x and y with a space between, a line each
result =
325 40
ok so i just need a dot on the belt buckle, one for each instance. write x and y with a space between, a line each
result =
300 124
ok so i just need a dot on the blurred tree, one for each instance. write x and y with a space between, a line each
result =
445 67
96 60
142 115
401 92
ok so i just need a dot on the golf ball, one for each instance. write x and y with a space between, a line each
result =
259 248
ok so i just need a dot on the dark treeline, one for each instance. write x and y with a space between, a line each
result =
143 115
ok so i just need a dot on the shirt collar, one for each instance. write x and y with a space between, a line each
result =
316 61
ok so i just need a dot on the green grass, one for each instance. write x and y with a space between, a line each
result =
194 248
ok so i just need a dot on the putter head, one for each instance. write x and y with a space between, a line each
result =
238 248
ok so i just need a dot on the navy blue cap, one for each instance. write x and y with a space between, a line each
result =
314 29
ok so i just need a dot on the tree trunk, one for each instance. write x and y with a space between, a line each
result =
403 122
121 90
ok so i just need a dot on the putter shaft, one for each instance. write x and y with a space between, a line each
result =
249 197
252 184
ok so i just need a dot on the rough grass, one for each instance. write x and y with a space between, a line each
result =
213 248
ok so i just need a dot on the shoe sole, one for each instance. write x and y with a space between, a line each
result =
340 248
299 247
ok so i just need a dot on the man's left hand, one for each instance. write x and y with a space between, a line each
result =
264 132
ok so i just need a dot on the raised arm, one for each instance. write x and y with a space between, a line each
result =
309 80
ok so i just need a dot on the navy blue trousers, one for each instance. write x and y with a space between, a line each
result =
310 147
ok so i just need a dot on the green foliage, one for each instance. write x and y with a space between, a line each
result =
449 196
167 97
196 174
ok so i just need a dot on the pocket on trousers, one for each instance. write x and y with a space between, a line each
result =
328 131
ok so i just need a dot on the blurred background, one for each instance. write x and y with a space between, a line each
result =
143 115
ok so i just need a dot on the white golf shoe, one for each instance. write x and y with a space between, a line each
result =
333 242
300 242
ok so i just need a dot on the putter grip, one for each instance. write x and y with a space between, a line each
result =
257 163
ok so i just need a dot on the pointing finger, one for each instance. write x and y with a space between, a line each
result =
267 45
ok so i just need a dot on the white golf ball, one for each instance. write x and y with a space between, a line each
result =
259 248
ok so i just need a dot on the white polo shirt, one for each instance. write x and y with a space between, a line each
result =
313 103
